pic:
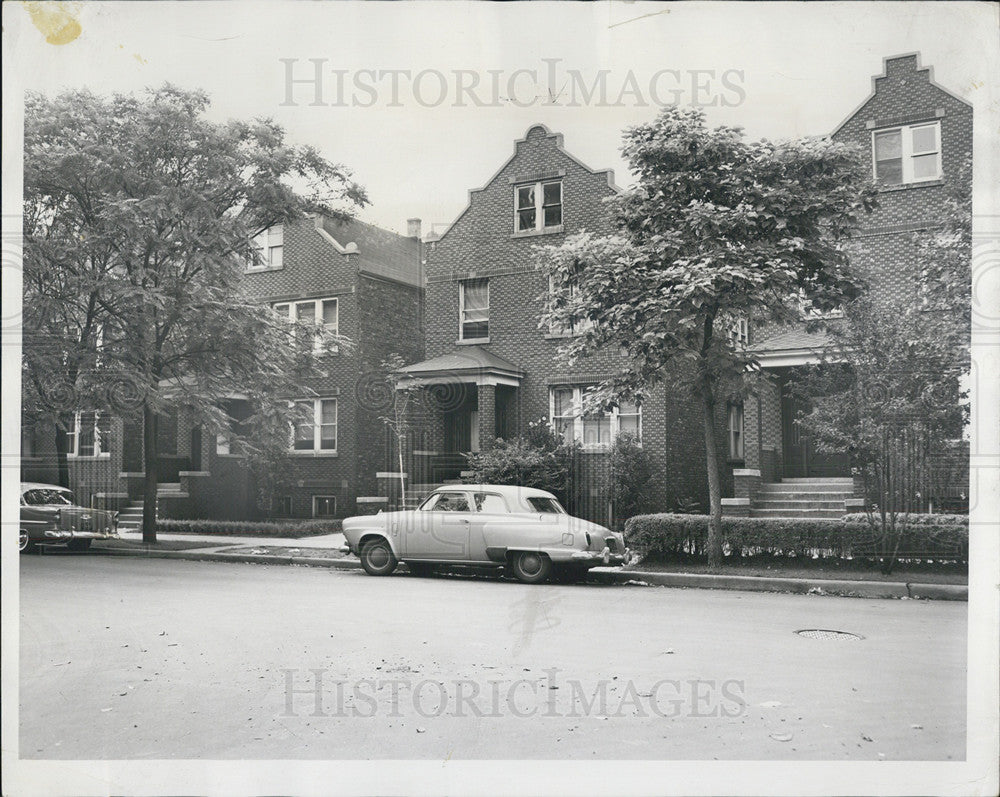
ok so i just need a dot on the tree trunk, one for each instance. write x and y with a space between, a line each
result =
62 450
151 480
714 483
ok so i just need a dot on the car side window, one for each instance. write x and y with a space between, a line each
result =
490 502
450 502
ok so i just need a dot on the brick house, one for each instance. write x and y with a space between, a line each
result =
917 135
358 280
490 370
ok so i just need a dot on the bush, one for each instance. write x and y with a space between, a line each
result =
916 519
250 528
632 472
665 537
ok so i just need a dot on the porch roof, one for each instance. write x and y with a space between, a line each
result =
795 346
472 364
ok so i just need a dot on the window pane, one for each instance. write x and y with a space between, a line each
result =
924 139
276 235
304 426
488 502
275 257
330 312
324 506
476 294
888 145
597 430
629 424
562 400
281 309
329 411
85 435
451 502
553 216
552 194
526 219
925 166
526 197
305 312
889 172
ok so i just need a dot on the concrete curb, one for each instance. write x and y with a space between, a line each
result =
835 587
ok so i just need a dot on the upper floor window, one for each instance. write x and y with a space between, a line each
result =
907 154
474 309
594 430
537 206
739 333
575 327
316 426
270 249
323 313
736 431
91 435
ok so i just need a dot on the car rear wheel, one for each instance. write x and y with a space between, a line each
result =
79 545
377 558
530 567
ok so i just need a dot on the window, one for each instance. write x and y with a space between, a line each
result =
546 506
739 333
474 309
736 431
490 503
270 249
324 505
47 497
322 313
538 206
594 430
908 154
316 426
577 326
447 502
90 436
281 506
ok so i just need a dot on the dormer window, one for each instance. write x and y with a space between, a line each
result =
907 154
538 206
270 249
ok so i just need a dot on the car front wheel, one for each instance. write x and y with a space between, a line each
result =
24 543
531 567
377 558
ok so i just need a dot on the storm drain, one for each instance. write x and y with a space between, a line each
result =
825 633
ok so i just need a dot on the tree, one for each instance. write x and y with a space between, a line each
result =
715 229
389 390
143 213
890 391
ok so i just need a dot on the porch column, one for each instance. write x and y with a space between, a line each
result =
487 410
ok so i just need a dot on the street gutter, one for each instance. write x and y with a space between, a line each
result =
835 587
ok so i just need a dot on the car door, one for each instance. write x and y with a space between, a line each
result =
441 532
491 509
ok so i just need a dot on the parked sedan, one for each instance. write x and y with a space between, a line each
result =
49 517
521 529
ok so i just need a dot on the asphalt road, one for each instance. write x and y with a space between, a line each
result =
159 659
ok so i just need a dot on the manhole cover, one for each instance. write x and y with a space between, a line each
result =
824 633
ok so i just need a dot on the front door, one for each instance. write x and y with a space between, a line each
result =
801 458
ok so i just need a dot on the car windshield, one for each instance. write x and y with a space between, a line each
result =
550 506
43 497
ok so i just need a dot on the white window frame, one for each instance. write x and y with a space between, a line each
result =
73 447
736 431
461 309
907 154
317 427
270 245
539 207
578 417
317 305
576 327
739 333
325 498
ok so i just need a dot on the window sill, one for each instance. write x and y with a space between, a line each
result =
264 269
472 341
89 457
534 233
888 189
294 453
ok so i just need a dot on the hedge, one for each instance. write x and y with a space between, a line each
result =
915 519
669 536
250 528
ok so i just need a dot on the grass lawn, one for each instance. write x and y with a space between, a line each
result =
826 570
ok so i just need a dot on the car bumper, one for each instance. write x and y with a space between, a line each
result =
605 557
64 535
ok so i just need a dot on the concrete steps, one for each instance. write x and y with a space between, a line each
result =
810 498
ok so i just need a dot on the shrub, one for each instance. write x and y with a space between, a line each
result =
250 528
916 519
632 471
670 536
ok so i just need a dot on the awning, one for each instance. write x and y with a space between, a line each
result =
468 365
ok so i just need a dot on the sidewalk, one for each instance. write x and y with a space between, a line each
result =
323 551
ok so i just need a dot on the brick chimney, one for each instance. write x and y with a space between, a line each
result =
413 228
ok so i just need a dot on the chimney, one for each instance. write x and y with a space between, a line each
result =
413 228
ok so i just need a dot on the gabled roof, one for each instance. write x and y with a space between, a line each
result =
885 73
470 360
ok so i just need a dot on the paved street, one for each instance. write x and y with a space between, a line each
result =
152 658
